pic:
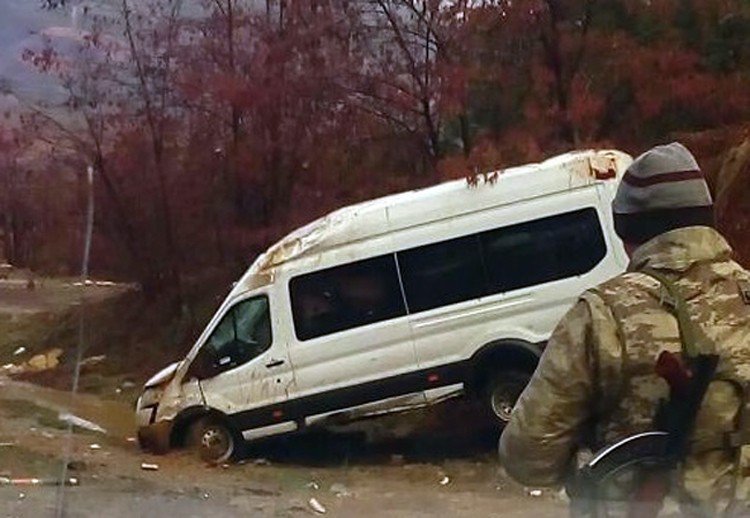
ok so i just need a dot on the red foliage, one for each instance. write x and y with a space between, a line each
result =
212 135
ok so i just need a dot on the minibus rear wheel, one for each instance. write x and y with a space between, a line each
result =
214 440
501 394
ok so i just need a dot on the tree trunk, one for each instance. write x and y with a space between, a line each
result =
9 235
466 143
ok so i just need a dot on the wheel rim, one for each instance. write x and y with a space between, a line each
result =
502 402
216 443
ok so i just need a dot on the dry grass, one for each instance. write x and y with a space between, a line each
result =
136 335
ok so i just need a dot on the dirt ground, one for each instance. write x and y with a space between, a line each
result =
420 475
434 471
24 294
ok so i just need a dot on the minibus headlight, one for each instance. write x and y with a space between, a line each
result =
151 397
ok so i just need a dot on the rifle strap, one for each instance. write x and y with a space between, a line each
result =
693 339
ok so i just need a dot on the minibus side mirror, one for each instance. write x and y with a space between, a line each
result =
202 366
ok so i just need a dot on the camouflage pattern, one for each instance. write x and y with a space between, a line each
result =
596 384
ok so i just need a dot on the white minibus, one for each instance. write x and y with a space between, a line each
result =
395 304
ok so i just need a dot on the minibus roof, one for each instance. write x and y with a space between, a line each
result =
417 207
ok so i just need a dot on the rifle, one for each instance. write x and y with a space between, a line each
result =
633 476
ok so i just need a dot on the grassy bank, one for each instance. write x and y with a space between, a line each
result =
135 336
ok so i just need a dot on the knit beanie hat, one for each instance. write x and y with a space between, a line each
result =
663 189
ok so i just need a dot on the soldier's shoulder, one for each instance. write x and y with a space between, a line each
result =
730 269
626 284
717 277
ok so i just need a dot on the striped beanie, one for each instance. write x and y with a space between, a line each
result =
663 189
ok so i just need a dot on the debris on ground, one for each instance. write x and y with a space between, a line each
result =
130 439
37 363
125 385
76 465
89 282
7 444
340 490
7 481
146 466
535 492
95 446
80 422
445 480
93 360
316 506
45 361
313 485
12 368
262 462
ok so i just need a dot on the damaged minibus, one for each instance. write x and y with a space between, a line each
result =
395 304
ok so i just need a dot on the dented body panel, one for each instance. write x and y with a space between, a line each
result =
283 382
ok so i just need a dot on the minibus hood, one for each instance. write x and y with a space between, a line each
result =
163 376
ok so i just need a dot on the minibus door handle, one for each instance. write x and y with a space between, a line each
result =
274 363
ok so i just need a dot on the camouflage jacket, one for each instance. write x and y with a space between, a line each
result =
595 383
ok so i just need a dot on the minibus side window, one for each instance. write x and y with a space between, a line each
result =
543 250
442 273
243 333
344 297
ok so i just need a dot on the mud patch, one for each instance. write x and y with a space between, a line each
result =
451 430
25 401
23 409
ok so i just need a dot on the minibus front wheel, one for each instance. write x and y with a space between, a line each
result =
214 440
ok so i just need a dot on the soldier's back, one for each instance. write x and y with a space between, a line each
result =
697 261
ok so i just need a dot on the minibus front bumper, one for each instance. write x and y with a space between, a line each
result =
154 434
155 437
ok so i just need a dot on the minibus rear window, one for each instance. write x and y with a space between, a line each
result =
502 259
347 296
543 250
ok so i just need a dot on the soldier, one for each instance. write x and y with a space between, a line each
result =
596 383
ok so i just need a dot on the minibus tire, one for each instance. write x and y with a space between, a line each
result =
211 431
501 393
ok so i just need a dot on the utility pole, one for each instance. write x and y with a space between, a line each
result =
88 235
